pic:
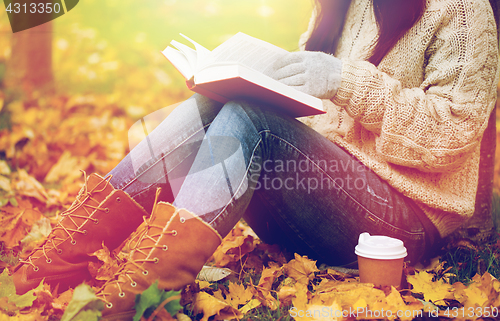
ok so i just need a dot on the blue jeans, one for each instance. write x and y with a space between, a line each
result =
292 185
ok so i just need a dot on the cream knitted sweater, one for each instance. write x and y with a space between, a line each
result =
417 119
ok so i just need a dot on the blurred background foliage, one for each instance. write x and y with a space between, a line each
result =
112 47
107 73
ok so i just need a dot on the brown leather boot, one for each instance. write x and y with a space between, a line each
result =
100 214
172 248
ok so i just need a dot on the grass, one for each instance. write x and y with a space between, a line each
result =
266 314
464 262
7 256
464 259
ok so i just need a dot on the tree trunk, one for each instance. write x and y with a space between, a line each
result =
30 67
480 227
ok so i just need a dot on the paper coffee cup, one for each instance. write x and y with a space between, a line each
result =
380 259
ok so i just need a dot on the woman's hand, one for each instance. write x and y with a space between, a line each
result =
315 73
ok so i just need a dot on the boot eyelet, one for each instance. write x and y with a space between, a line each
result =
183 220
36 269
118 199
48 261
59 251
96 221
121 294
106 210
109 305
165 248
156 260
174 233
85 232
145 272
73 242
133 284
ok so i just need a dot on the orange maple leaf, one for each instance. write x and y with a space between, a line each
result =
263 289
301 269
233 248
16 222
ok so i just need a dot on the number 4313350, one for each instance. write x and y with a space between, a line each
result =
34 8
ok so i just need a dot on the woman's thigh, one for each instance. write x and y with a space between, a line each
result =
319 195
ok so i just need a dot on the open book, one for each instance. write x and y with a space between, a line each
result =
238 68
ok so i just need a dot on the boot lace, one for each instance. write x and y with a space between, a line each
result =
84 196
150 231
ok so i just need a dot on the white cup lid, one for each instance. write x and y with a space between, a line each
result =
380 247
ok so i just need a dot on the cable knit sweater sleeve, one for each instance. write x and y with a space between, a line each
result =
436 122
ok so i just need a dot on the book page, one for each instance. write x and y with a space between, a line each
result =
249 51
179 61
202 53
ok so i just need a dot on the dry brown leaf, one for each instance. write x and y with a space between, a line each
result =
15 222
39 231
107 267
34 315
67 169
4 168
27 185
233 248
213 274
5 184
62 301
301 269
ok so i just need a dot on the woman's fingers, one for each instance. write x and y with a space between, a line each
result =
289 71
290 58
294 80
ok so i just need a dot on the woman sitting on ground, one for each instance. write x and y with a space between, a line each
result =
408 88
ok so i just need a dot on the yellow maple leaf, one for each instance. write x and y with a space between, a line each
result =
67 169
263 289
360 304
318 312
211 306
27 185
203 284
475 296
286 294
396 308
348 294
481 291
233 248
252 304
107 266
301 297
238 294
434 291
301 269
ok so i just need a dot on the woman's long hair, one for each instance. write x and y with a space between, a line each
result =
495 5
394 18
